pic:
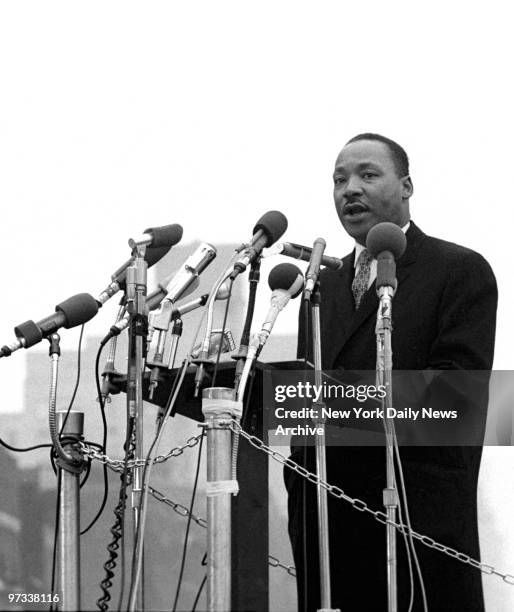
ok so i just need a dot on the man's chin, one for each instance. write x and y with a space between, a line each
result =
358 228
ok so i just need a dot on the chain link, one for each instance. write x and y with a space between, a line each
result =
360 505
274 562
118 465
184 512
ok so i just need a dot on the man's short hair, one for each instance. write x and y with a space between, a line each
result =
398 154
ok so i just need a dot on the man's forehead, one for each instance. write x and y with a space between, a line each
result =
364 151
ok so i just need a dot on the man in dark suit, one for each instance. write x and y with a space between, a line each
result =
444 314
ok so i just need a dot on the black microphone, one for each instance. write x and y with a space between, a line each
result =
386 242
119 277
298 251
76 310
268 229
167 235
311 277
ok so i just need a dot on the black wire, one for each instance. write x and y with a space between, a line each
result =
222 333
186 537
24 450
129 454
199 593
56 534
77 380
88 471
104 440
117 531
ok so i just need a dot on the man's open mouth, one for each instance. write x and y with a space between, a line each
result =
354 208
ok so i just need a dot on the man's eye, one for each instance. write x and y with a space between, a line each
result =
369 174
339 180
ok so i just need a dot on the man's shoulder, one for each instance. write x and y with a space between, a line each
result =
444 252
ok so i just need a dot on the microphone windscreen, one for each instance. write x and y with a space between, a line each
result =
155 254
167 235
30 333
273 224
386 236
78 309
286 276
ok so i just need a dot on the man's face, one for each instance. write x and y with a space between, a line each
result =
367 189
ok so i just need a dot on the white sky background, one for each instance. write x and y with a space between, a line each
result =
115 116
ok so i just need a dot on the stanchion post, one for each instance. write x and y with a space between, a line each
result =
69 513
219 408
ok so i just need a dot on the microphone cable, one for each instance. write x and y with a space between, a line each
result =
408 522
117 529
188 527
77 380
204 580
104 440
409 560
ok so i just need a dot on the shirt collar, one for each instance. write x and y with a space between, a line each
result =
359 248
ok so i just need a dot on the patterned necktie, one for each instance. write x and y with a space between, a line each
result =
361 280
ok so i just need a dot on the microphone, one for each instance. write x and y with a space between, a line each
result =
119 277
313 270
190 270
298 251
386 242
182 281
76 310
268 229
154 300
167 235
286 282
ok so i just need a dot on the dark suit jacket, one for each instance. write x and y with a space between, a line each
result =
444 315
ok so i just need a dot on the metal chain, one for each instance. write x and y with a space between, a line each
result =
176 507
118 465
361 506
274 562
184 512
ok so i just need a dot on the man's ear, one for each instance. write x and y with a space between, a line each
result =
407 187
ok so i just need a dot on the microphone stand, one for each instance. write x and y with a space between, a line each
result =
390 493
321 460
70 464
138 330
253 279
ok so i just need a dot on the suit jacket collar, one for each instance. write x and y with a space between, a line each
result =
349 320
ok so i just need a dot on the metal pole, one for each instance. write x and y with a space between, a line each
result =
390 493
69 516
138 330
219 407
321 464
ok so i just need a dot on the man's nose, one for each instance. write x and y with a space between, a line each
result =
353 186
